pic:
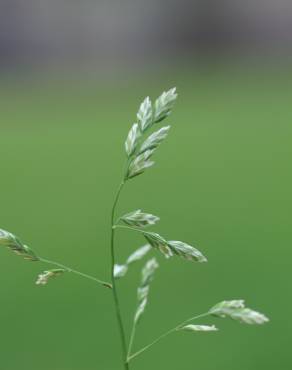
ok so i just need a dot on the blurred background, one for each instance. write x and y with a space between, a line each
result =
72 77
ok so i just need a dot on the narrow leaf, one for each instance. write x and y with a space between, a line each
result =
199 328
140 164
13 243
164 104
139 254
132 139
145 115
155 139
120 271
158 242
45 276
139 219
186 251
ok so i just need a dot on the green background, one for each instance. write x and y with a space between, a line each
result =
222 181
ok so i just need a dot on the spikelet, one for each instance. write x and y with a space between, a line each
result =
186 251
45 276
164 104
132 139
145 114
236 310
13 243
139 219
155 139
199 328
121 270
158 242
144 287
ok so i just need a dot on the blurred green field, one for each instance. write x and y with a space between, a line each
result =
222 181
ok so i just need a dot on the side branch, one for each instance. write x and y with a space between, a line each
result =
136 354
69 269
116 226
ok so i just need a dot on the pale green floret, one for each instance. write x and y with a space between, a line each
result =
138 254
13 243
148 272
140 164
120 271
186 251
139 219
233 304
236 310
144 287
174 247
132 139
248 316
158 242
199 328
45 276
145 114
155 139
164 104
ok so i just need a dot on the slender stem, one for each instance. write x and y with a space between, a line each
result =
115 293
132 228
131 342
69 269
193 318
131 357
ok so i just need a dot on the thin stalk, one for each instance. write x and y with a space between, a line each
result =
132 228
136 354
132 338
114 290
69 269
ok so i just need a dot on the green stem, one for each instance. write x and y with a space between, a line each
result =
131 357
132 228
69 269
114 290
132 338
